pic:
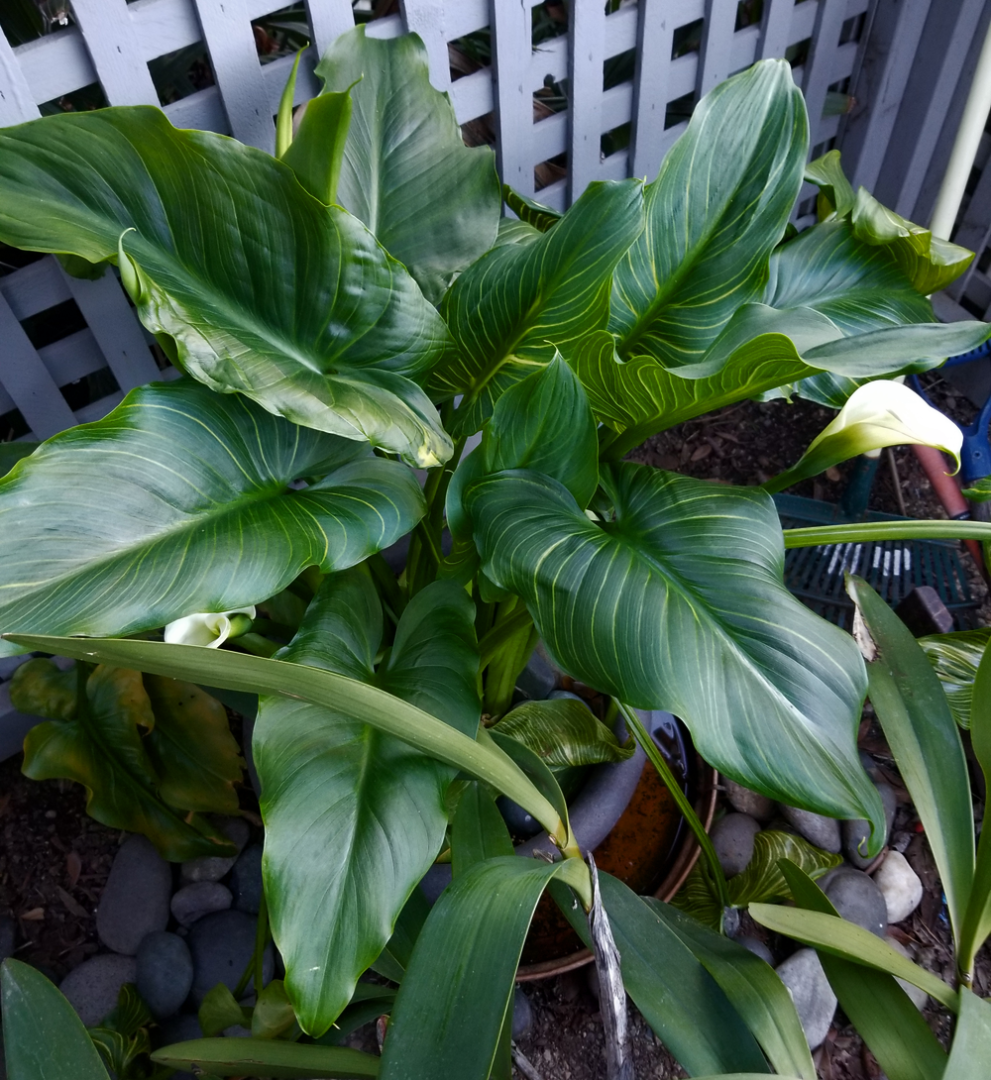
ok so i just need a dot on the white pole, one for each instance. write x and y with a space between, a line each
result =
965 145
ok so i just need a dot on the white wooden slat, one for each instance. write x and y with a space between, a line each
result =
819 69
328 20
115 327
428 19
586 37
56 64
717 44
550 138
34 287
927 101
17 103
231 44
465 17
651 85
389 27
884 73
72 358
775 28
27 380
203 110
164 26
110 37
554 195
803 21
471 95
512 94
615 167
6 401
549 58
621 31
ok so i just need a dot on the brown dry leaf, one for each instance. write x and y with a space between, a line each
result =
75 908
73 867
833 475
702 452
34 915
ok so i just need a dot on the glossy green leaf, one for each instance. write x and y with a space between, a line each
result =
136 759
43 1037
717 209
680 1000
929 263
752 988
316 154
144 517
762 880
432 202
831 934
478 831
283 118
911 708
267 1058
272 1015
544 423
533 213
979 491
687 576
512 309
827 174
264 290
562 732
447 1016
954 658
39 688
220 1009
972 1039
259 675
977 920
879 1008
353 816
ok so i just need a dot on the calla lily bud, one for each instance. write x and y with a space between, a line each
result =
877 414
210 629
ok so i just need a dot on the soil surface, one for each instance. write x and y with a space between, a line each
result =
54 860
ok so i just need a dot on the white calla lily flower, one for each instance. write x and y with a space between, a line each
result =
877 414
208 628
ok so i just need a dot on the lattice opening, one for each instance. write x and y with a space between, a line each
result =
369 10
616 140
90 389
853 28
679 111
550 171
12 259
178 74
26 21
470 53
84 99
838 101
687 39
281 32
797 54
53 324
619 69
972 307
748 13
984 262
548 20
823 148
13 426
808 206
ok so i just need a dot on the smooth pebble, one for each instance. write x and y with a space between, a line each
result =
822 831
900 886
135 901
814 999
92 988
164 973
200 898
856 898
733 839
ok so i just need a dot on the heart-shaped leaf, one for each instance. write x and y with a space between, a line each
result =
264 290
511 309
714 214
354 817
433 203
562 733
144 517
955 658
139 757
677 602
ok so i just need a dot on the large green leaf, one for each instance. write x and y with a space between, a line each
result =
378 708
680 1000
458 988
911 708
264 290
714 214
827 174
147 757
752 987
180 501
511 309
43 1037
879 1008
432 202
677 601
354 817
267 1058
478 831
972 1039
954 658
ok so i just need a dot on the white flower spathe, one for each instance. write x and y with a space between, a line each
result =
886 413
210 629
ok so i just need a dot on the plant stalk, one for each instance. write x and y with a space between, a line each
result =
887 530
640 733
